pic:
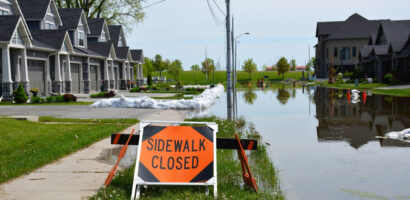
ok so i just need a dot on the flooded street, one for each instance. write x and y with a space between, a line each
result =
326 147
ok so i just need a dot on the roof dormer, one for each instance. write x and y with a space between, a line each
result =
117 35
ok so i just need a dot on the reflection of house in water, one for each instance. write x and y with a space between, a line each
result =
360 123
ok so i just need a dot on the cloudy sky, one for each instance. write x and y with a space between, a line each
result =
183 29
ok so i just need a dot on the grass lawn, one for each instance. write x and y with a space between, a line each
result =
176 96
393 92
45 104
229 174
25 146
198 78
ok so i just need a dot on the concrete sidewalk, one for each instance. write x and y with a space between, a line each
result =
80 175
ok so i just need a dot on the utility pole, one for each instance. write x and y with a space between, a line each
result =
206 63
233 69
228 59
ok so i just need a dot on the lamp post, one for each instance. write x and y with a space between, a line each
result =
235 42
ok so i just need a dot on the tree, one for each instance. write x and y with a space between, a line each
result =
175 69
249 66
310 64
158 63
195 68
283 66
293 64
125 12
208 66
148 66
166 65
250 96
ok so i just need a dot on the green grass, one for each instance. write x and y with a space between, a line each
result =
176 96
25 145
45 104
98 121
393 92
229 174
175 91
198 78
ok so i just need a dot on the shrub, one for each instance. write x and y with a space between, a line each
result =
136 89
59 98
149 80
20 95
110 94
50 99
388 77
37 100
69 98
98 95
339 78
179 85
358 74
153 87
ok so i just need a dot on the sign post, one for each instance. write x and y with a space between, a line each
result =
176 155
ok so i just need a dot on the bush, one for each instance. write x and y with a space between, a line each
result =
153 87
179 85
136 89
358 74
59 98
37 100
149 80
20 95
339 78
98 95
388 77
110 94
50 99
69 98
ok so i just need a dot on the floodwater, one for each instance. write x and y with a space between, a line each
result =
326 147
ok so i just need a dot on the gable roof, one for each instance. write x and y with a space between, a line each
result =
122 52
71 18
137 55
354 27
96 26
102 48
381 50
396 33
34 9
8 24
51 38
365 51
115 33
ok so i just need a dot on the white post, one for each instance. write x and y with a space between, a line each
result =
57 71
24 73
6 65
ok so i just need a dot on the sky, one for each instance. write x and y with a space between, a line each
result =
185 29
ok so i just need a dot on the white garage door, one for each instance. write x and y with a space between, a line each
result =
75 78
93 78
36 75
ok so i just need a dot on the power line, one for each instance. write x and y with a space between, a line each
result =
153 4
219 8
214 16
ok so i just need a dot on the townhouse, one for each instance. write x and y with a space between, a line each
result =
339 43
61 51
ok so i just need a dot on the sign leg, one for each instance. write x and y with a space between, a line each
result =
207 191
133 191
138 192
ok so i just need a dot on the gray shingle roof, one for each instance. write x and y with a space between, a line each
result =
137 55
115 31
51 38
34 9
397 33
86 51
7 25
381 50
326 28
96 26
121 52
70 17
102 48
366 50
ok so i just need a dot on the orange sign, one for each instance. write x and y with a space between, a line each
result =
176 154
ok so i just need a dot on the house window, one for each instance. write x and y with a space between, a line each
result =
335 52
354 51
345 53
49 25
103 38
81 39
4 12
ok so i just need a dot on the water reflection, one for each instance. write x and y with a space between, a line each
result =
360 123
249 96
283 95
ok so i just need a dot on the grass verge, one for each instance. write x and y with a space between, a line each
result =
45 104
393 92
25 146
199 78
369 86
229 173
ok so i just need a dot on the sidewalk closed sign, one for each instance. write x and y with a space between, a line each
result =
176 155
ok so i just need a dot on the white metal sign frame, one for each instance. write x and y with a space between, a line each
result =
138 182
